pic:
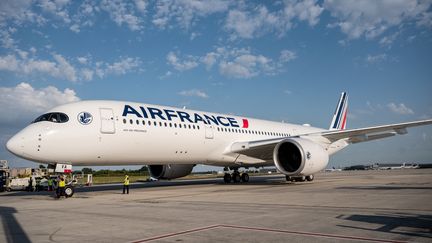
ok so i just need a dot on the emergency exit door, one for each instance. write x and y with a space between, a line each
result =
107 120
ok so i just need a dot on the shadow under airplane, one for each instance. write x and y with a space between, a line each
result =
402 224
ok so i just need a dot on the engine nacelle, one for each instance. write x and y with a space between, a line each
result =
169 171
298 156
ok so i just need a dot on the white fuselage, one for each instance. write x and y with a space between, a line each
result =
127 133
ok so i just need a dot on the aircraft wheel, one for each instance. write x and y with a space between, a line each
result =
310 177
227 178
69 191
245 177
236 177
289 178
302 178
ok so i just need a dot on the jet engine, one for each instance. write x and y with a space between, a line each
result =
298 156
168 172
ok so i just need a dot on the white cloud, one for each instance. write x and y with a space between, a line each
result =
233 62
236 70
358 18
181 65
401 109
185 12
87 74
141 5
287 55
242 63
82 60
376 58
388 40
246 66
123 66
123 13
210 59
61 68
75 28
193 92
18 11
57 8
24 102
258 21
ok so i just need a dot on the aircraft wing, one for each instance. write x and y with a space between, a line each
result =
263 149
372 133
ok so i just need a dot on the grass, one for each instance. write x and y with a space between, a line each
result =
119 179
116 179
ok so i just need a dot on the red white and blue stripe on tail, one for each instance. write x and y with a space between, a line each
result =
340 115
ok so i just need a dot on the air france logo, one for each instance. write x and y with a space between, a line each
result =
182 116
85 118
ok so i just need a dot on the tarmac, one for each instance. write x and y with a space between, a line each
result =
352 206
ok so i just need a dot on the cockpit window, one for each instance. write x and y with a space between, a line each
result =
56 117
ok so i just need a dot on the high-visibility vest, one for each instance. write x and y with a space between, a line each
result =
62 183
126 181
50 182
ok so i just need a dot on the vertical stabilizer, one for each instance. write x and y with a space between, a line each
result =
340 115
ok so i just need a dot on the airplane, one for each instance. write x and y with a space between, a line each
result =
171 141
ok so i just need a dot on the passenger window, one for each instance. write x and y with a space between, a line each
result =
137 122
130 121
143 122
124 121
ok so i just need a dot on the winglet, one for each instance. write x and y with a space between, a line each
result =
340 115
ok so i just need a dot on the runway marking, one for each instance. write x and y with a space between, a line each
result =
176 233
239 227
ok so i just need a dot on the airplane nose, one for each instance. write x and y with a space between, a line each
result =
14 145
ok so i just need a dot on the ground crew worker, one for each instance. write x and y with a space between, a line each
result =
30 186
37 185
50 184
126 184
61 187
33 184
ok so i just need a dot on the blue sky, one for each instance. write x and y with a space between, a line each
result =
277 60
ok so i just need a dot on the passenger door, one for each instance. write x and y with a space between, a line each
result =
107 120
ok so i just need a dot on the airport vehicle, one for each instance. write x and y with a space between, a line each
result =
4 175
18 184
171 141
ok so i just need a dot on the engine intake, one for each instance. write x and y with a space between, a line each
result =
168 172
298 156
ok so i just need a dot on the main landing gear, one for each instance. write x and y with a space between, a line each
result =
236 177
300 178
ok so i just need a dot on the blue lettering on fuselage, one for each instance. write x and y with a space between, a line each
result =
130 110
155 112
182 116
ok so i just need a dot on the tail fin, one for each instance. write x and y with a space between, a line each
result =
340 115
